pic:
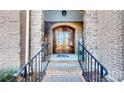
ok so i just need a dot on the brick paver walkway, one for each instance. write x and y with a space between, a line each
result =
63 72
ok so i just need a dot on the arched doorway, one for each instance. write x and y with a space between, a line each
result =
63 39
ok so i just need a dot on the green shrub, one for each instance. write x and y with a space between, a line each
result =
6 76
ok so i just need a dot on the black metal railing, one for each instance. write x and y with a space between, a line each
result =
34 70
93 70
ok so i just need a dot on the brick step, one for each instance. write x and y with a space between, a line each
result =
62 68
66 71
63 78
63 73
64 62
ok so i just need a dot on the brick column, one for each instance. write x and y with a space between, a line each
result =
104 36
36 31
22 36
91 31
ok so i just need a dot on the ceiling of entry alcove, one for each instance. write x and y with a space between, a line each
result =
56 15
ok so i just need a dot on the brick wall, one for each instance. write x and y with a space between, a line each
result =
110 42
107 36
36 31
13 35
123 44
9 39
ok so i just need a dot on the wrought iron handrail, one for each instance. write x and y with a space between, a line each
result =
93 70
34 70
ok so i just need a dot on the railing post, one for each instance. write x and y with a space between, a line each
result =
101 72
25 73
88 69
83 52
91 69
98 72
95 71
78 52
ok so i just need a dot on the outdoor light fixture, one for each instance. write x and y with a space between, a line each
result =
64 13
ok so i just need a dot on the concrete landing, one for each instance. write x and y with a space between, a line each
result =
64 57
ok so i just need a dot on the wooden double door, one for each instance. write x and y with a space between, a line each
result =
63 39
